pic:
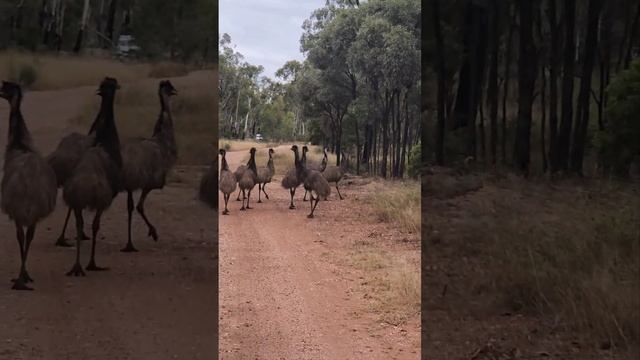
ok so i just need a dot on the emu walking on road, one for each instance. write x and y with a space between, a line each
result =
28 184
146 162
63 160
313 182
293 178
335 173
95 181
312 166
265 173
249 179
227 181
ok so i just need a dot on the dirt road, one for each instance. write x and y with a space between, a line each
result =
156 304
283 291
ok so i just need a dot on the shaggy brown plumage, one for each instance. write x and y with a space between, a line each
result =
28 184
238 174
63 160
311 166
293 178
227 181
265 174
313 182
336 173
146 162
96 180
249 179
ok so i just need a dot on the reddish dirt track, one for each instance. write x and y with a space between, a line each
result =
283 292
156 304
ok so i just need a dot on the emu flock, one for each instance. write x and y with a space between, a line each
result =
91 169
315 179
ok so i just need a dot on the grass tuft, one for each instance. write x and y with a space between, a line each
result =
400 203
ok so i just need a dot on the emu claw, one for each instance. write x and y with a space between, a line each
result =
20 285
153 233
226 212
93 267
129 248
76 271
62 242
310 216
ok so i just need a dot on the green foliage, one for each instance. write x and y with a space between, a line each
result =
414 165
619 145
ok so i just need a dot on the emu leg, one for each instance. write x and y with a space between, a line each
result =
19 283
243 197
248 198
313 207
338 191
238 198
76 270
292 192
62 241
226 200
140 208
129 247
95 227
259 193
305 196
265 193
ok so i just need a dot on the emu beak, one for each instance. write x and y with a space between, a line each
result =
173 92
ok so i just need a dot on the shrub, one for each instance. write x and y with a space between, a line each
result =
27 75
415 160
619 145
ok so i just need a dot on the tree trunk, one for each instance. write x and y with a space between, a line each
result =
564 134
492 90
111 21
83 25
554 61
526 81
632 37
441 73
543 120
507 78
582 118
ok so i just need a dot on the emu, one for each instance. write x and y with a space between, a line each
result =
312 166
28 183
95 181
265 174
335 173
147 161
293 178
249 179
63 160
313 182
238 174
227 181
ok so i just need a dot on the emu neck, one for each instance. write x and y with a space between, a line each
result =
252 162
163 130
19 137
106 131
225 166
270 163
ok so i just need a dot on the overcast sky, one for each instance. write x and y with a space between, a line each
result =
266 32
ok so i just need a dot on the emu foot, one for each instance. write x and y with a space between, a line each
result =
93 267
153 233
20 285
259 201
129 248
76 270
225 212
292 207
62 242
248 208
23 277
84 237
310 216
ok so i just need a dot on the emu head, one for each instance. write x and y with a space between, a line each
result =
222 152
10 91
294 148
252 151
108 86
166 88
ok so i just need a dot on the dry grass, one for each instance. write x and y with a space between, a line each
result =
63 71
240 145
394 282
568 251
167 69
399 202
194 110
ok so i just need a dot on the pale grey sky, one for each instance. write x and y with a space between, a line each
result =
266 32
